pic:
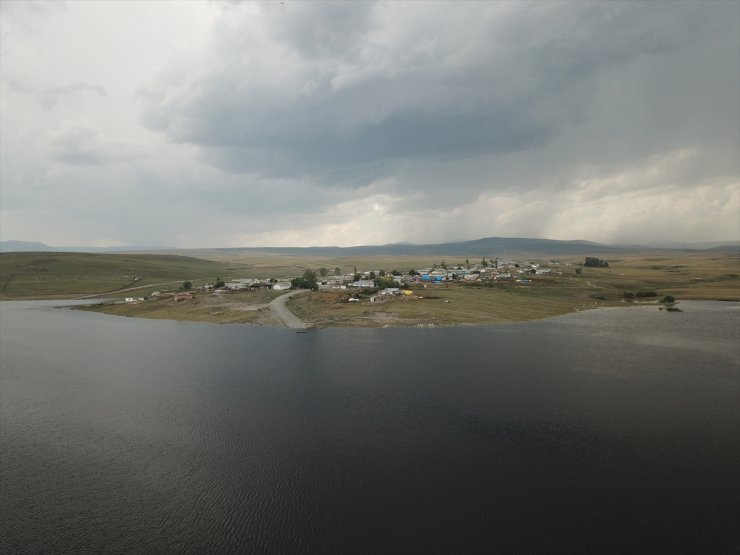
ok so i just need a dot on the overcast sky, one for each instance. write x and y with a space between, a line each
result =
205 124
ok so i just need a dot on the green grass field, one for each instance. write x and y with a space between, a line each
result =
69 275
443 306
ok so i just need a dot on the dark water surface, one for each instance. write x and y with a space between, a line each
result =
611 431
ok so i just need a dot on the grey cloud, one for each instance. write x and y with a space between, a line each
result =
438 86
320 29
80 144
53 96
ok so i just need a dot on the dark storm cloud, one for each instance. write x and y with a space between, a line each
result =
324 87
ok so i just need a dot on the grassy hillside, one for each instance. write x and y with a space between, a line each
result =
62 275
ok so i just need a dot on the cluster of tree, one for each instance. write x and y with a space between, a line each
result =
381 282
593 262
323 272
306 281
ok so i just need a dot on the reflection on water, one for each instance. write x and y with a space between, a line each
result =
608 431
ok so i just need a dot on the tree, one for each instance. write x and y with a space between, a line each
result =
219 283
381 273
337 271
413 272
395 273
669 299
323 272
307 281
443 265
372 275
484 262
188 285
593 262
384 281
467 264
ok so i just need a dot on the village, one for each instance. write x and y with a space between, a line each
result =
377 285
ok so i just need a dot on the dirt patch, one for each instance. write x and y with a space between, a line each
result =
385 317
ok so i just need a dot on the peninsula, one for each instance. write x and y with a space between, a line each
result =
372 290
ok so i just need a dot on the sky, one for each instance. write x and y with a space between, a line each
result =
288 123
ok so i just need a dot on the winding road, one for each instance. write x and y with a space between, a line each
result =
281 312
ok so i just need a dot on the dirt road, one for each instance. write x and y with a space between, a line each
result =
281 312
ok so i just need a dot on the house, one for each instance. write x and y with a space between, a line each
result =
363 283
281 286
183 296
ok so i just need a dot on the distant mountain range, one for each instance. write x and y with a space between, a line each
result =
489 246
35 246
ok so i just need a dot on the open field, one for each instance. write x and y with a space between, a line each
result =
443 306
264 266
70 275
65 275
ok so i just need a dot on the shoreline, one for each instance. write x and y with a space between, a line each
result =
370 323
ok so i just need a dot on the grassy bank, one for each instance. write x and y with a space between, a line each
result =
69 275
218 308
438 306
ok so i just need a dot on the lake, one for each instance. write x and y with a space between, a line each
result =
607 431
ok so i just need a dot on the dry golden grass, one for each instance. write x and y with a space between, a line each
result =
440 306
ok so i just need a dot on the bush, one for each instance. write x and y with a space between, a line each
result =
669 299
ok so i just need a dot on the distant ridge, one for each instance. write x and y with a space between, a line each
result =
487 246
35 246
